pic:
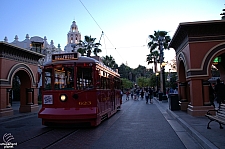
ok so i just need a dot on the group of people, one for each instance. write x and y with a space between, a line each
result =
217 93
142 93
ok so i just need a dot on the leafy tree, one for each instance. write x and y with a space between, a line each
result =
153 81
109 61
143 82
126 83
124 71
153 57
140 71
88 46
172 80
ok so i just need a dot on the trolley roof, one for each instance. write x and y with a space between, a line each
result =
77 58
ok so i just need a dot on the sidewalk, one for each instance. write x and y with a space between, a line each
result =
16 113
197 127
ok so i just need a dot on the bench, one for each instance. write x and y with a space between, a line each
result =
219 116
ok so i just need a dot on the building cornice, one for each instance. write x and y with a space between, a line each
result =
208 31
9 51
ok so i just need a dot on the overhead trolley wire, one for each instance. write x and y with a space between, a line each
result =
100 28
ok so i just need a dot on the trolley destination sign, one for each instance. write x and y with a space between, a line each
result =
65 56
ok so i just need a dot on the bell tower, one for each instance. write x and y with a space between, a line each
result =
73 36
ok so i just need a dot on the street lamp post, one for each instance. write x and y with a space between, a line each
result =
157 84
163 78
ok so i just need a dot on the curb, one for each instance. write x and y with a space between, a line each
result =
17 116
205 143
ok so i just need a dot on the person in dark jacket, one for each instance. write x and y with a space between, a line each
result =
211 95
150 95
220 91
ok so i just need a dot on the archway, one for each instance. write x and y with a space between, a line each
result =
184 87
28 91
26 95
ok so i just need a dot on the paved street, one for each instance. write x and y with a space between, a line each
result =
136 125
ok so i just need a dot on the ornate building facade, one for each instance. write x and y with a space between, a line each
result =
40 44
37 44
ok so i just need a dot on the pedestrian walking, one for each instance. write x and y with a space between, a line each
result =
127 95
137 94
132 94
142 93
146 96
150 94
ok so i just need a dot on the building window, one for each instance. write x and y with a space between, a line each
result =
36 46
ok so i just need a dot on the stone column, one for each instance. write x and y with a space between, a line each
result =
182 91
8 97
196 107
29 93
183 96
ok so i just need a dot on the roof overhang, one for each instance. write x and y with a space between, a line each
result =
4 44
188 30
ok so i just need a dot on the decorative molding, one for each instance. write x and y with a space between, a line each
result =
15 69
18 54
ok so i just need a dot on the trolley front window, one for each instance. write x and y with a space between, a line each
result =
64 77
48 78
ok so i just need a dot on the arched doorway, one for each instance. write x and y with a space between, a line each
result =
26 96
184 87
219 64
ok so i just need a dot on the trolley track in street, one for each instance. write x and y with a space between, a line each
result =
48 138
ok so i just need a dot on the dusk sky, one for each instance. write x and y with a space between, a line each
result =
126 23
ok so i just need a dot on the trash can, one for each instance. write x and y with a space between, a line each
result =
160 96
174 102
164 98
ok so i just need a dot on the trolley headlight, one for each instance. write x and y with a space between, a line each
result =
63 97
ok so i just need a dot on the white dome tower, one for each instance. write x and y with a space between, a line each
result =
73 38
73 35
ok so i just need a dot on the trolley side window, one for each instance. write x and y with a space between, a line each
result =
84 78
48 78
64 77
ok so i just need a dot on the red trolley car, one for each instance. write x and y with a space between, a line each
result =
78 90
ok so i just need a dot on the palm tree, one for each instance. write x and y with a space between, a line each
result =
153 57
88 45
154 40
154 45
109 61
